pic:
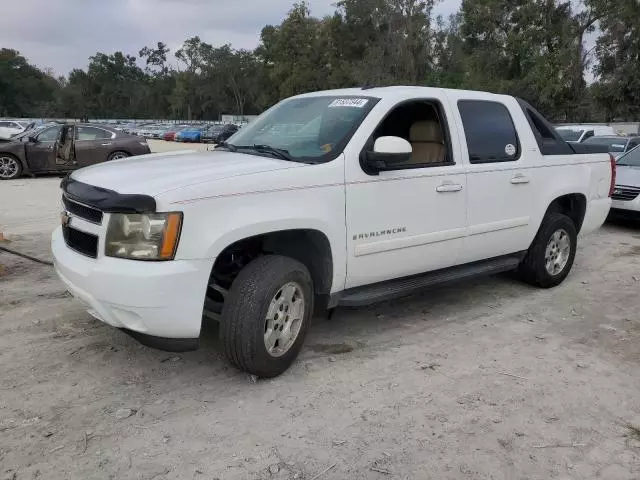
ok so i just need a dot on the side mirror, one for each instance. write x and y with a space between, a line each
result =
388 151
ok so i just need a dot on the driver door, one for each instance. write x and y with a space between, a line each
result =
411 219
41 156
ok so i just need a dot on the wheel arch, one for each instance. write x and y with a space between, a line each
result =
573 205
309 246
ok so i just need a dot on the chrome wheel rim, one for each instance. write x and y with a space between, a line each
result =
8 167
284 319
118 156
557 253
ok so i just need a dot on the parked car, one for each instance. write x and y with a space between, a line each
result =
626 194
170 134
615 144
579 133
192 134
148 131
44 151
392 191
218 133
10 128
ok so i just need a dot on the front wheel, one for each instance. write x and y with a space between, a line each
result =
266 315
550 257
10 167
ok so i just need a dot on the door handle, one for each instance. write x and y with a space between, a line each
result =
519 179
448 187
106 144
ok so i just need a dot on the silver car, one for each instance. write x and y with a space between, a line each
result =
626 193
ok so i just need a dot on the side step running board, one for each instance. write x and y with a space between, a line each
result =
379 292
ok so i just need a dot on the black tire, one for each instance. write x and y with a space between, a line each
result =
7 160
118 155
242 330
533 268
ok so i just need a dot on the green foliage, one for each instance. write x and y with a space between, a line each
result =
534 49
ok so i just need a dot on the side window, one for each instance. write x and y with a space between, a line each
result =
632 144
49 135
4 124
490 132
423 125
92 133
588 134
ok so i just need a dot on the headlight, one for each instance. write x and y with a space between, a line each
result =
151 236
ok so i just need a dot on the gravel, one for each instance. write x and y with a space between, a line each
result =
485 379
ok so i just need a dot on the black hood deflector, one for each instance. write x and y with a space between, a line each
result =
107 200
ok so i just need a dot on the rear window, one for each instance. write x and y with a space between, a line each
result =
490 132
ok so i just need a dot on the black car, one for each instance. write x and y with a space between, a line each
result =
218 133
62 148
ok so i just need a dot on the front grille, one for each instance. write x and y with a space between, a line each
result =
83 243
625 193
88 213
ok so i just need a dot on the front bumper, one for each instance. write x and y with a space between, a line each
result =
630 207
152 300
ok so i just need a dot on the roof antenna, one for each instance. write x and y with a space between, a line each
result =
367 87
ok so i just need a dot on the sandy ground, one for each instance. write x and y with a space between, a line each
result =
490 379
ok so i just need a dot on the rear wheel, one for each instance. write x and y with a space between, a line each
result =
10 167
266 315
551 256
118 155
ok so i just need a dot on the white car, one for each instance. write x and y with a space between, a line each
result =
626 195
9 128
580 133
393 190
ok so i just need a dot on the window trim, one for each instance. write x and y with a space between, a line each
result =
483 161
444 124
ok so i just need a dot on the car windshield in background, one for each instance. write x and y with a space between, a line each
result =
631 159
614 145
308 129
569 135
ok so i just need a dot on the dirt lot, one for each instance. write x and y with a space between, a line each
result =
486 380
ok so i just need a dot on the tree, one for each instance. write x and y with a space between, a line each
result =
25 90
618 54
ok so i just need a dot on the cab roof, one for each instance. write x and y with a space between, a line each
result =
399 92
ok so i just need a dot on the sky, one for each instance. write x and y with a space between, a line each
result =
63 34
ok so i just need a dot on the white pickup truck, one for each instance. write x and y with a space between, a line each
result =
336 198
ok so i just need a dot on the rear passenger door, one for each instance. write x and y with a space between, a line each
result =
499 184
93 145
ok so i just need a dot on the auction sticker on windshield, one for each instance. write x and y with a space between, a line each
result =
349 102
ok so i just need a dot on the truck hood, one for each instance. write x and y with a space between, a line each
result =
156 173
628 176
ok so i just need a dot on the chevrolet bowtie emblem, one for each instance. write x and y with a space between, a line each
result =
65 219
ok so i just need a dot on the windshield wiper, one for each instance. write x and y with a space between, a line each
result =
228 146
277 152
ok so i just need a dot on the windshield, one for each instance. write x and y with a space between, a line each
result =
631 159
569 135
614 145
309 129
32 133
